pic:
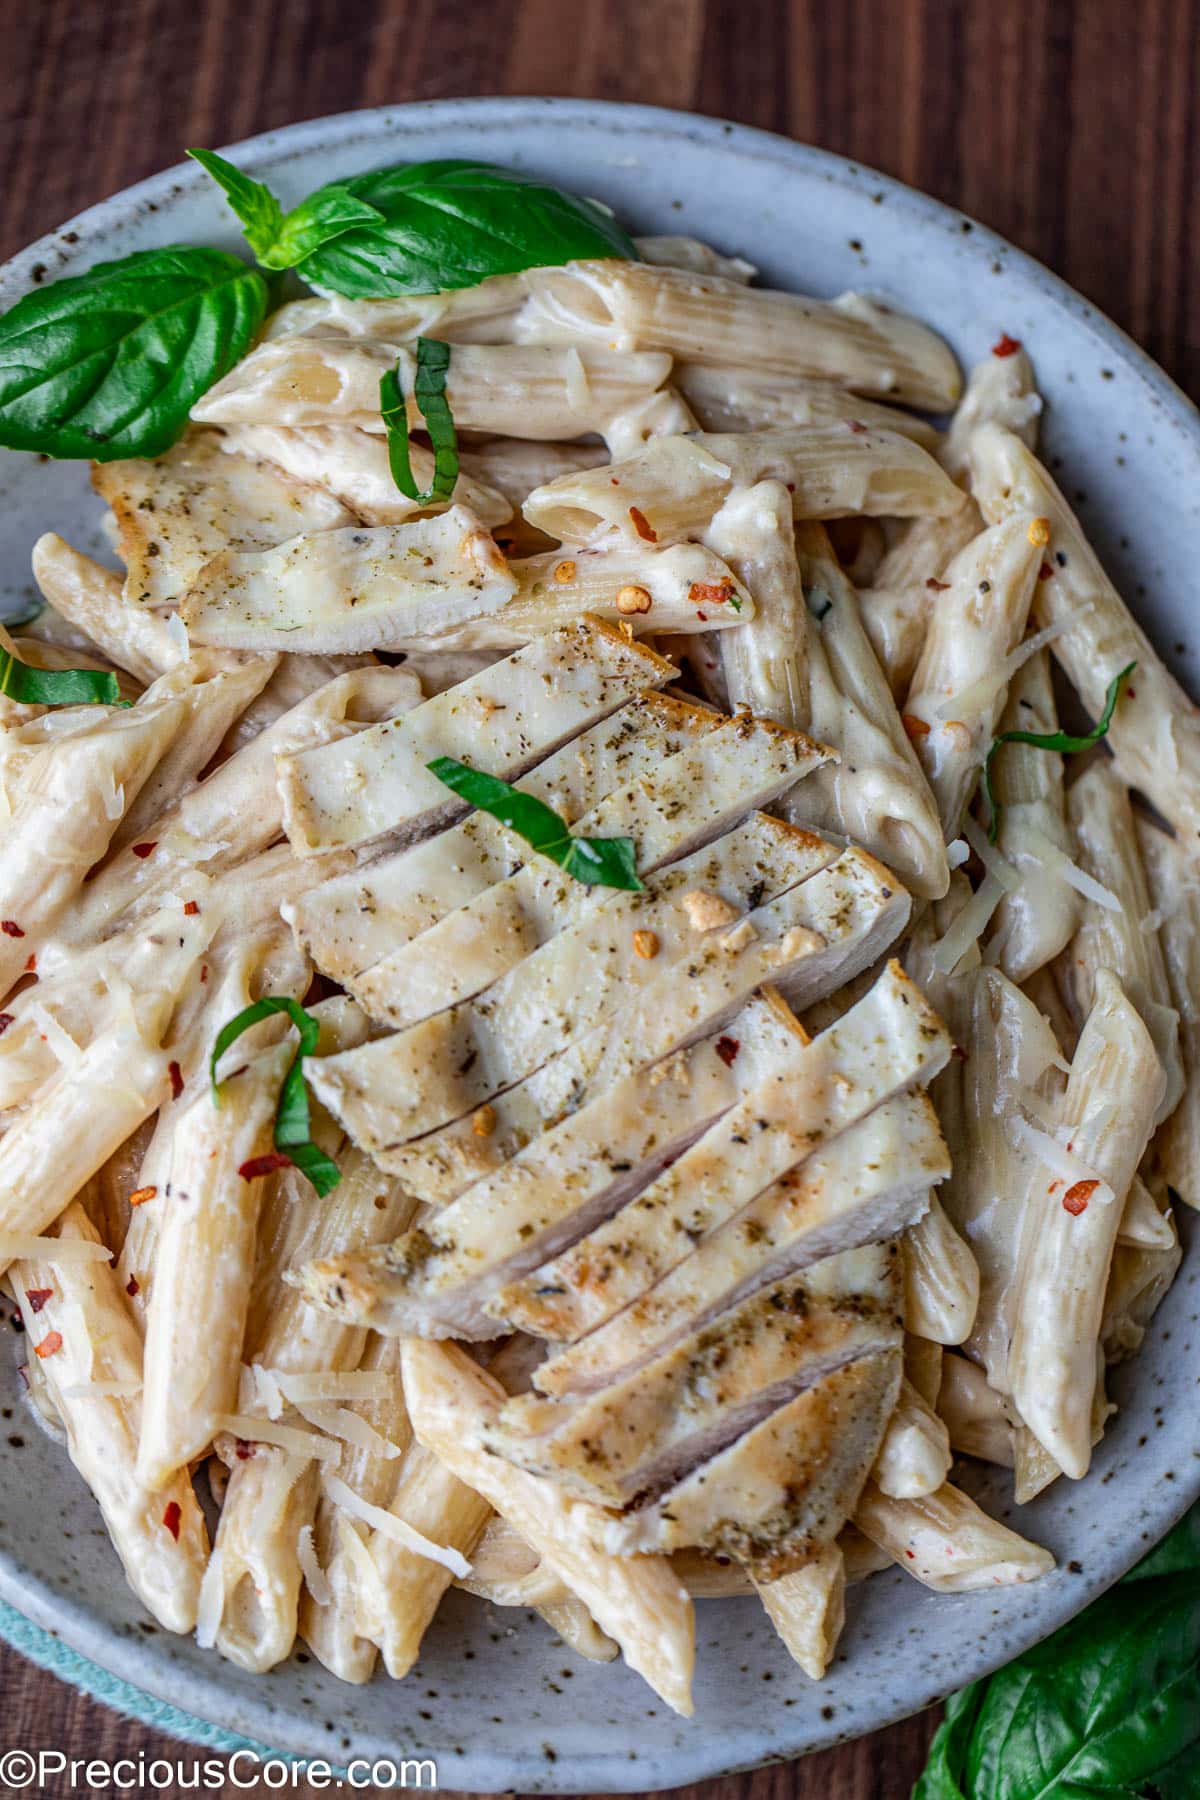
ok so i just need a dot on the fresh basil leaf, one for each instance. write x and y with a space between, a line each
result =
109 364
56 687
293 1129
452 224
280 240
429 391
1106 1709
597 862
1063 741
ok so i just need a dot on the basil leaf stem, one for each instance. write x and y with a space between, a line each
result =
109 364
56 687
1063 741
597 862
280 240
429 392
293 1129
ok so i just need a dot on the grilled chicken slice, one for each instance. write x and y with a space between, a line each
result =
347 925
641 1435
692 798
436 1280
814 937
192 503
890 1041
871 1182
776 1496
505 719
418 1079
381 587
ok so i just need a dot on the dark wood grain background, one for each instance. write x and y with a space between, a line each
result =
1070 126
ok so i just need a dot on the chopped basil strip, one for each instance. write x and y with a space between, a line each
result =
429 392
293 1130
56 687
280 240
1063 741
597 862
109 364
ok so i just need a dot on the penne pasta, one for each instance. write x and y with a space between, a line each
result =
945 1541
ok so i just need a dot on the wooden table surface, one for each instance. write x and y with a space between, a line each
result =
1067 125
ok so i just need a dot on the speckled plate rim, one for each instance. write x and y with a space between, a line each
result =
1024 1616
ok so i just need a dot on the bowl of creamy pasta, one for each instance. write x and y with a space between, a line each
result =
600 1064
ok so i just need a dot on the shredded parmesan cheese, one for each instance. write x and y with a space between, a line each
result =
969 926
60 1041
177 631
1057 862
52 1250
335 1384
1063 1163
977 700
957 853
388 1525
308 1444
340 1422
314 1575
210 1602
995 864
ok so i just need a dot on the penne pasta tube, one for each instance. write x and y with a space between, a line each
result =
1002 391
270 1499
808 1609
515 466
923 1360
1153 731
1035 922
941 1279
637 1601
1108 1112
203 1262
353 466
959 684
482 313
765 659
505 390
1034 1469
690 253
897 602
93 1378
430 1497
91 597
948 1543
578 1630
914 1458
682 588
1119 937
341 592
295 678
707 318
670 490
661 414
1137 1283
974 1413
875 793
1144 1226
741 399
1176 894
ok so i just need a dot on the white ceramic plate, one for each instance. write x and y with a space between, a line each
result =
497 1700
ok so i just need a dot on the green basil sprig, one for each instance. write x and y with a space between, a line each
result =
429 392
1106 1709
1064 741
109 364
597 862
280 240
293 1130
419 228
56 687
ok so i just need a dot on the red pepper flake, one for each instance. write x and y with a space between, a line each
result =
171 1518
10 928
176 1074
31 965
49 1344
642 525
856 425
144 850
140 1196
37 1298
132 1288
1076 1198
191 908
1045 572
243 1449
204 971
6 1020
958 1053
936 587
914 729
911 1555
703 616
1005 345
710 593
264 1165
727 1049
